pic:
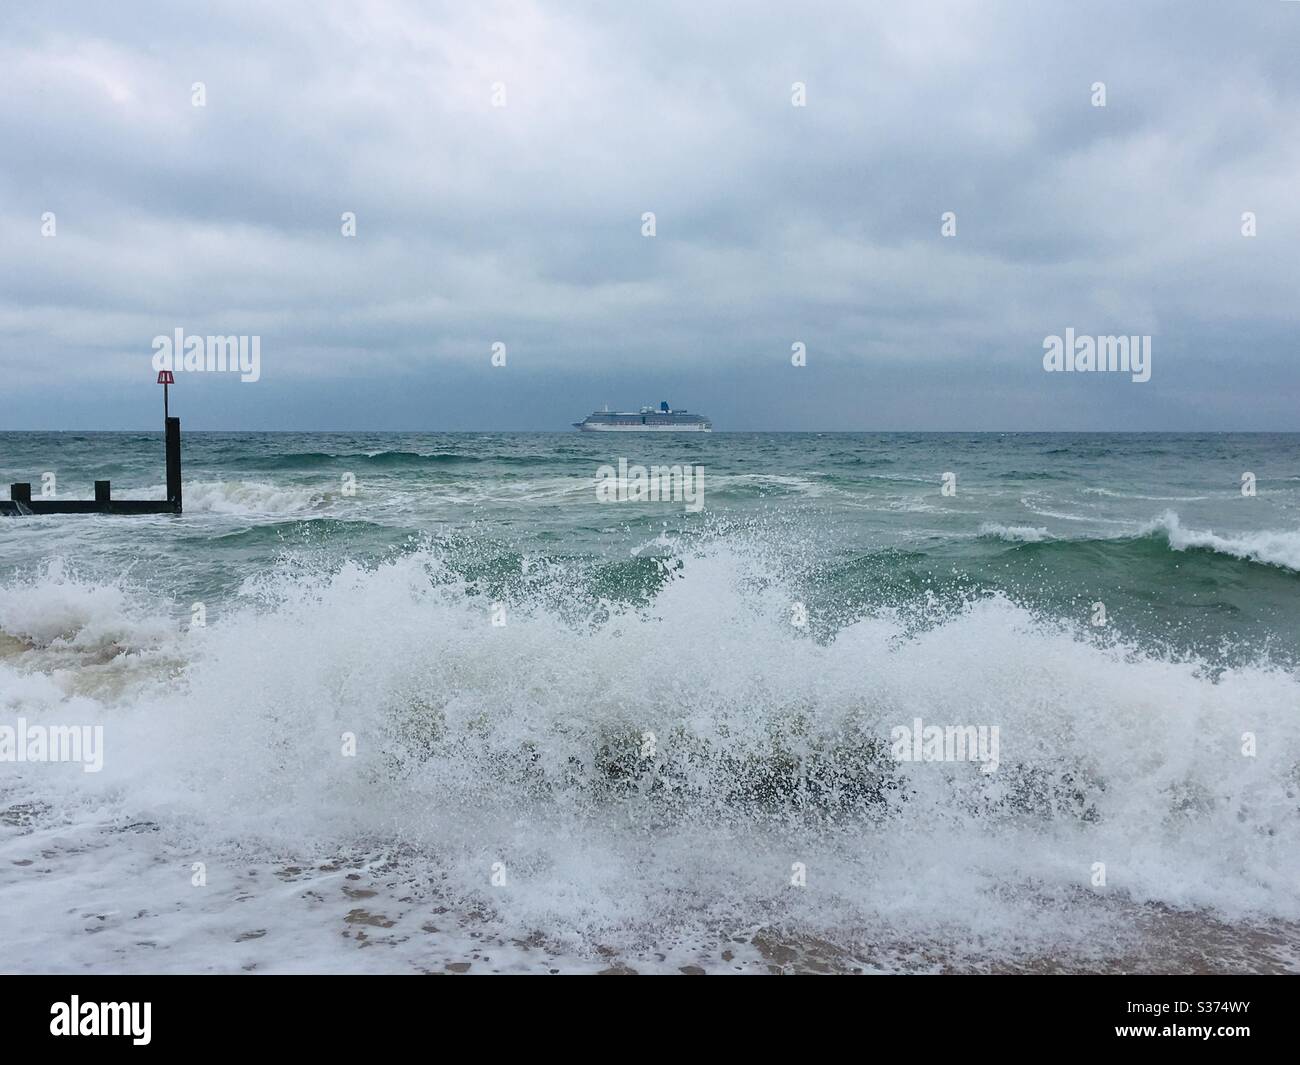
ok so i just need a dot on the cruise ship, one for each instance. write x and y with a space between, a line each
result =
662 419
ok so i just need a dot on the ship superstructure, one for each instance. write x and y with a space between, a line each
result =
647 420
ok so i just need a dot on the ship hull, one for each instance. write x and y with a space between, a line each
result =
587 427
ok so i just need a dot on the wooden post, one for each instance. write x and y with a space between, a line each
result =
102 491
21 492
173 436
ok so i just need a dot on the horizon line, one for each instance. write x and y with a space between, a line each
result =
715 432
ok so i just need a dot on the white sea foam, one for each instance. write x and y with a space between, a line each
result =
479 744
55 609
248 498
1096 491
1035 505
1277 548
1014 533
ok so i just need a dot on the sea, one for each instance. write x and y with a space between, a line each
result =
423 702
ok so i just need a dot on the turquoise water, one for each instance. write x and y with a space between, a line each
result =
1153 526
645 715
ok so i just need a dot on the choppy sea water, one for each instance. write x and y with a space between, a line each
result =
604 736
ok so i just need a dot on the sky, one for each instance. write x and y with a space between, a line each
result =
499 159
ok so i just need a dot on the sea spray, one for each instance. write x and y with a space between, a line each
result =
354 753
771 748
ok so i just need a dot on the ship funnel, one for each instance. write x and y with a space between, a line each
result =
664 407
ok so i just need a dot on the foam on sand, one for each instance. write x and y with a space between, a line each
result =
522 750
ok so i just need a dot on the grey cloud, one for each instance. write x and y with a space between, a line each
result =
775 224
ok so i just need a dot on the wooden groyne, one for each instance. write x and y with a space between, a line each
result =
22 502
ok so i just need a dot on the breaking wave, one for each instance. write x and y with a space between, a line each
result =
678 756
249 498
1281 548
1014 533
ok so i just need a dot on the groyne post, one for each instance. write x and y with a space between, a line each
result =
20 500
173 436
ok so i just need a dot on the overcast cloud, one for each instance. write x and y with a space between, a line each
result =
775 224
